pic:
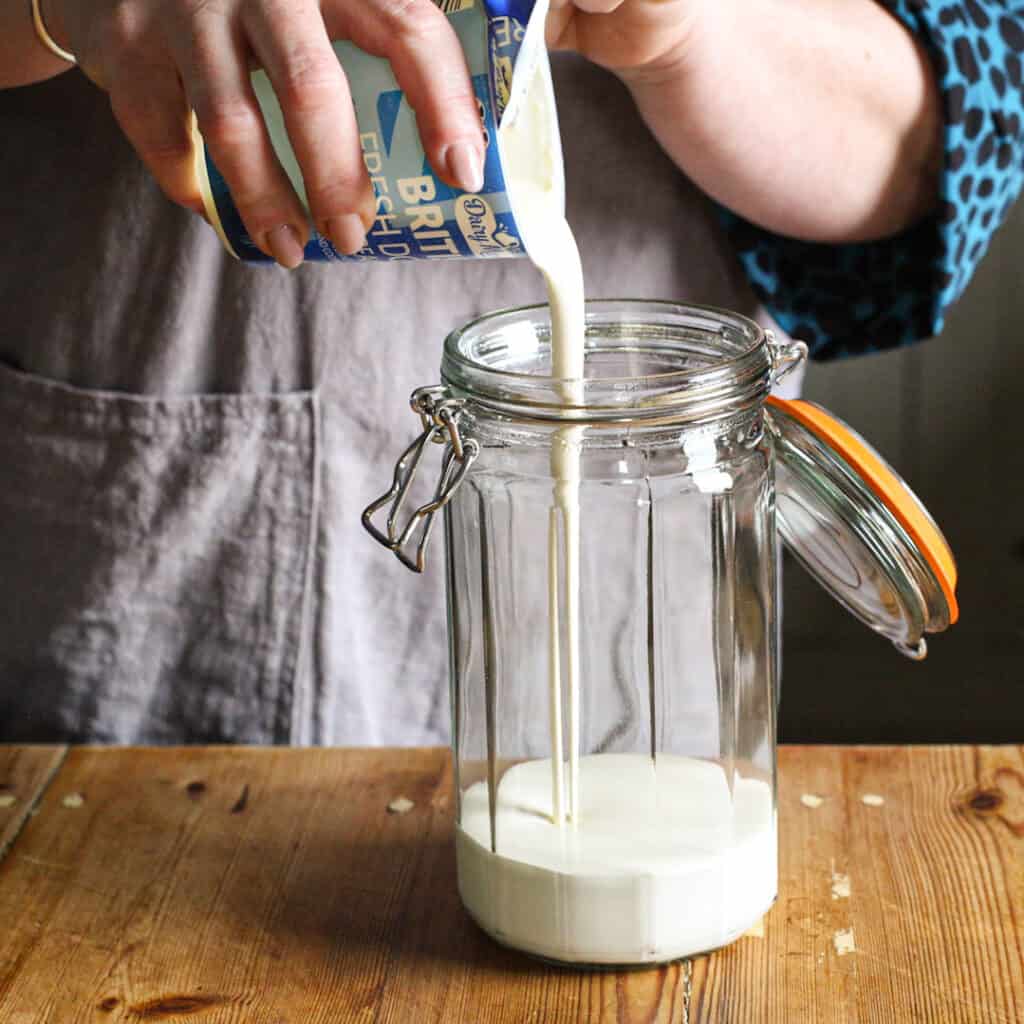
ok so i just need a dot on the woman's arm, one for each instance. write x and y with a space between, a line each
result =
817 119
863 151
869 296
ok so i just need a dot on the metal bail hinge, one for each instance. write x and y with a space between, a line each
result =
785 357
439 413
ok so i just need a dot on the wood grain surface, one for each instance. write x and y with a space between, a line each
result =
274 887
935 911
24 773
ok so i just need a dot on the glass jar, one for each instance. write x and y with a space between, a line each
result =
613 615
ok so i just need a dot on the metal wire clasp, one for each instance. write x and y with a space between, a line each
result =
439 413
785 357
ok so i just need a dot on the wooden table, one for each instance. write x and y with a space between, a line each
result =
273 886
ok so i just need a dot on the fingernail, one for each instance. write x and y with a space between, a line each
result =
466 166
283 244
347 233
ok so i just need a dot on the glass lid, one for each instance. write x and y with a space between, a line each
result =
858 528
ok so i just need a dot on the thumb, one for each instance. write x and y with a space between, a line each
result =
560 28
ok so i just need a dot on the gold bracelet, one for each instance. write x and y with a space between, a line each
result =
45 38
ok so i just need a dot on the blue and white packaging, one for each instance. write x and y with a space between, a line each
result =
418 216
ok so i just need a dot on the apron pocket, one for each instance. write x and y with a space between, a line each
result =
154 563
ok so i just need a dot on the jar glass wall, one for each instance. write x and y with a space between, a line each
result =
613 633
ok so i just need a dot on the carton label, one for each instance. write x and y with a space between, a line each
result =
417 215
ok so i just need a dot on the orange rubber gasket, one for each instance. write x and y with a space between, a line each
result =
886 486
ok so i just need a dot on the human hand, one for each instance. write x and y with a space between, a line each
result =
629 37
160 58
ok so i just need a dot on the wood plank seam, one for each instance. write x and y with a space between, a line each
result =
687 988
30 809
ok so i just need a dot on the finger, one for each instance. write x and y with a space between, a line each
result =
291 43
217 85
567 19
430 67
559 28
149 104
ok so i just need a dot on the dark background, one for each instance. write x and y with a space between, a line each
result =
949 416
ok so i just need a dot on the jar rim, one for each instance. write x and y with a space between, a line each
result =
710 361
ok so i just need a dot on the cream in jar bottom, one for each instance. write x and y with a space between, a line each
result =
664 862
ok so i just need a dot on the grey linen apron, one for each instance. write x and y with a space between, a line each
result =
186 442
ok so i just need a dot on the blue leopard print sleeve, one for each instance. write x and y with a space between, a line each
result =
846 300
